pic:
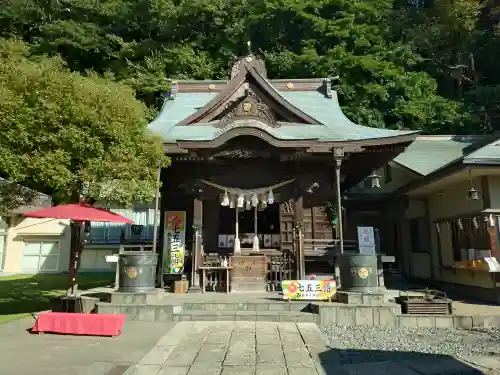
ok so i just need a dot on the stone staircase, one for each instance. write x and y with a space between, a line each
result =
355 311
142 308
270 312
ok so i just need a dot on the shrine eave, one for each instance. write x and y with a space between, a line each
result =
200 114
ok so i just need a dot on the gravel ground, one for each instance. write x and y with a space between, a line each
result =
422 340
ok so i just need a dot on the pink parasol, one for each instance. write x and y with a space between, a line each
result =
79 213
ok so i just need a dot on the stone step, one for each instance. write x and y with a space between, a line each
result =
240 315
296 306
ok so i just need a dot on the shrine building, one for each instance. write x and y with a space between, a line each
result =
256 161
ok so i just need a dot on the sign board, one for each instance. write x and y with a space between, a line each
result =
248 273
309 289
174 242
112 258
366 240
493 265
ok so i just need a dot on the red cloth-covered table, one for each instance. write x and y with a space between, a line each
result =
79 324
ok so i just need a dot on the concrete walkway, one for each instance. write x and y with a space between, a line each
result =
261 348
214 348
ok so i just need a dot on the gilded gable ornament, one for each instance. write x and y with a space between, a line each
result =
247 107
250 106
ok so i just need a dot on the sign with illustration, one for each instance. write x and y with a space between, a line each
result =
308 289
174 242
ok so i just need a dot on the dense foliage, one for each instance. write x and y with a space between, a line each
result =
417 64
65 133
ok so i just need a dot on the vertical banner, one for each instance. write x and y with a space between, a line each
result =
174 242
366 240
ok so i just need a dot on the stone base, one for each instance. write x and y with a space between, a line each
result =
248 285
194 290
361 298
136 298
80 304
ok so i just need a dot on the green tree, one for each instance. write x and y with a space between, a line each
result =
66 134
375 46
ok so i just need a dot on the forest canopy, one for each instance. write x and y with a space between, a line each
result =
415 64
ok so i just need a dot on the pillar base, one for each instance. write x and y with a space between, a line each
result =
194 290
237 246
255 244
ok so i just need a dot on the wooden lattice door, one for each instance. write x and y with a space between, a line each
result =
287 226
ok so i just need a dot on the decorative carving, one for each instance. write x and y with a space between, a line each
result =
250 106
236 69
211 86
241 154
289 85
249 61
288 206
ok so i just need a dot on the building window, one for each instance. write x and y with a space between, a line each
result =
419 235
388 173
141 231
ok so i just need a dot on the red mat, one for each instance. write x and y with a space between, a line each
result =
79 324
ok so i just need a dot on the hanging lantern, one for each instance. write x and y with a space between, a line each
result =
231 203
270 197
460 224
240 201
248 205
473 194
255 200
374 180
225 199
438 228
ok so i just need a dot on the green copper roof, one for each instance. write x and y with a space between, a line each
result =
485 155
174 111
336 126
430 153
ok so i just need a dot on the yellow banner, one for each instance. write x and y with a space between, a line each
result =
308 289
174 242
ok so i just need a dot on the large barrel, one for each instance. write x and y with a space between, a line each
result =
358 272
137 271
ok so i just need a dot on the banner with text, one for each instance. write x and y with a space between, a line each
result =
174 242
309 289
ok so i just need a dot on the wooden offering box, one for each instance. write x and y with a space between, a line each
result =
249 273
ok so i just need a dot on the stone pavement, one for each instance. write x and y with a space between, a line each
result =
22 353
213 348
264 348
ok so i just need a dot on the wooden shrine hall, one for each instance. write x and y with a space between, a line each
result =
259 166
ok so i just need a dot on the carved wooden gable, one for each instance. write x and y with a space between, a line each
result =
250 106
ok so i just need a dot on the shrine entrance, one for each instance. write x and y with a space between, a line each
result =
255 163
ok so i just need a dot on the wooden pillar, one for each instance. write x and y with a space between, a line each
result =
196 257
338 157
299 218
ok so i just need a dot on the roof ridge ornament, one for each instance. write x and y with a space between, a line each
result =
174 87
249 61
328 85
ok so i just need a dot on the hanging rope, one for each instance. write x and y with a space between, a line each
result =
245 192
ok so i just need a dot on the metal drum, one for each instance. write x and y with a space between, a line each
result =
137 271
358 272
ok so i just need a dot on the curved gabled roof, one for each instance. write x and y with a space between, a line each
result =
312 107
